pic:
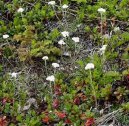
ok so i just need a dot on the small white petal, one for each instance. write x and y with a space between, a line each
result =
55 65
67 54
13 74
20 10
50 78
89 66
45 58
116 29
101 111
61 42
75 39
65 6
76 67
102 50
52 3
5 36
79 25
65 33
101 10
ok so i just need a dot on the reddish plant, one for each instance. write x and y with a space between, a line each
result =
3 121
61 115
4 101
68 121
77 101
46 119
7 100
55 103
89 122
57 90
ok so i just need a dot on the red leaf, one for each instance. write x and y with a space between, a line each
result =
68 121
61 115
57 90
7 100
3 121
46 119
4 101
56 103
128 76
89 122
77 101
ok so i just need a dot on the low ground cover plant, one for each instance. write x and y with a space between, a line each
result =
64 63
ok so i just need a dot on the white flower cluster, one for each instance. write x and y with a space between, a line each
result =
89 66
61 42
50 78
102 49
13 74
45 58
75 39
5 36
52 3
55 65
101 10
65 6
20 10
65 34
116 29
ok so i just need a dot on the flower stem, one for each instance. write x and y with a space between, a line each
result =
93 88
46 67
101 24
51 90
102 28
61 53
64 17
57 16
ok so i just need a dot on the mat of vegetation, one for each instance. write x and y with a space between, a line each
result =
64 63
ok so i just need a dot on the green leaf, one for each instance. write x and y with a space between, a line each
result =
112 74
80 1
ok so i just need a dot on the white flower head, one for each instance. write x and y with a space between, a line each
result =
50 78
89 66
75 39
65 33
5 36
20 10
55 65
76 67
116 29
102 50
61 42
101 10
45 58
65 6
66 54
52 3
13 74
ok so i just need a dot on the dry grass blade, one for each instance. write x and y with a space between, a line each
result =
106 118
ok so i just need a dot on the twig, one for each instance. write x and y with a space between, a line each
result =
107 117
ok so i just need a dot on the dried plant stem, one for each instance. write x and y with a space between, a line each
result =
102 120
